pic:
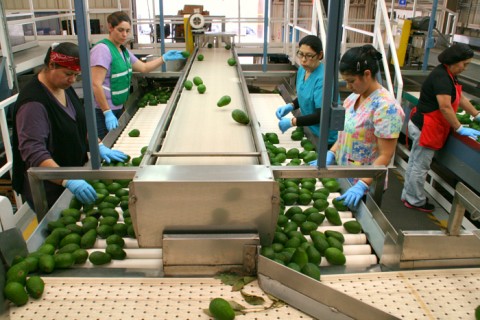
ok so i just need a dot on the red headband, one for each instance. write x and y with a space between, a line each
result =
63 60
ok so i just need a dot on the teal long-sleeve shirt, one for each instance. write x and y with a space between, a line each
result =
310 97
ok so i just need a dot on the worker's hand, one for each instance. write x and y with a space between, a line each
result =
477 117
81 190
173 55
108 154
352 197
284 124
469 132
111 120
330 159
283 111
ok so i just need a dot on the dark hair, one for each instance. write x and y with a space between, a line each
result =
114 19
456 53
66 48
313 42
358 59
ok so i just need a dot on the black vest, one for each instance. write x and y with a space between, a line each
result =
67 141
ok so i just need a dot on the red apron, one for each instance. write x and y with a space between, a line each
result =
436 128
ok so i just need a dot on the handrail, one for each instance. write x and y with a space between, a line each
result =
380 16
7 167
318 15
398 75
318 8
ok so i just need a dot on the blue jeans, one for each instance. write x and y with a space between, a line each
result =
418 166
101 126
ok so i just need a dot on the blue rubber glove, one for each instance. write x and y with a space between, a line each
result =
283 111
81 190
284 124
173 55
330 159
108 154
469 132
110 120
352 197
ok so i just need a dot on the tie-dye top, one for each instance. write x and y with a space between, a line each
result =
378 116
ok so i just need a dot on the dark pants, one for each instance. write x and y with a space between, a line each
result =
101 127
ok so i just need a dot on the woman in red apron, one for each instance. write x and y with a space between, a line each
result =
433 119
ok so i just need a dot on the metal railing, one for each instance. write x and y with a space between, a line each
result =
7 167
291 23
381 19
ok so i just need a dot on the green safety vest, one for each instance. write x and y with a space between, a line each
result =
120 73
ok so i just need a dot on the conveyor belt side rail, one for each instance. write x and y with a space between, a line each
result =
159 133
464 199
36 175
256 132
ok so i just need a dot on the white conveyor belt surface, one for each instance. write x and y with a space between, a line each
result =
199 126
145 120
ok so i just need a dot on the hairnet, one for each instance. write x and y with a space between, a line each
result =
456 53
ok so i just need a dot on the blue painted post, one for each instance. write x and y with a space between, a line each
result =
84 51
429 41
162 34
330 85
265 37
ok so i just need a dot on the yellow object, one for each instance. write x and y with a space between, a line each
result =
30 228
188 34
402 36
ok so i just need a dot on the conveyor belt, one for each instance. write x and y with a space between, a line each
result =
198 125
423 294
145 120
146 298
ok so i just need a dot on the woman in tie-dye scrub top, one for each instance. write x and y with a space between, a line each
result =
373 119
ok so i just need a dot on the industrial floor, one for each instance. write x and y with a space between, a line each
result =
403 218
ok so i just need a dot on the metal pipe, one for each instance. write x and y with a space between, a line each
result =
335 11
429 41
206 154
162 33
84 52
265 36
464 199
7 49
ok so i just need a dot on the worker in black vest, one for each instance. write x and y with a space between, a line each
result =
49 127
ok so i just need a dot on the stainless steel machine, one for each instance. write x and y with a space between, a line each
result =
204 199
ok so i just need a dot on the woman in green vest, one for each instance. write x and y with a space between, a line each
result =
112 66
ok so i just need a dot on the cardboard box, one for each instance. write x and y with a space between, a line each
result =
190 9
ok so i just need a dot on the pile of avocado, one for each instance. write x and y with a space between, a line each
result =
297 243
154 97
279 155
465 119
77 229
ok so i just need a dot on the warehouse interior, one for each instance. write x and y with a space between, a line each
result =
202 196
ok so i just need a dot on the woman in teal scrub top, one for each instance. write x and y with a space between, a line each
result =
309 91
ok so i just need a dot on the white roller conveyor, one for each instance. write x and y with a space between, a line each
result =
145 120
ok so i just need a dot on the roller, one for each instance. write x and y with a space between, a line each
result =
197 21
357 249
355 261
128 263
351 239
129 243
